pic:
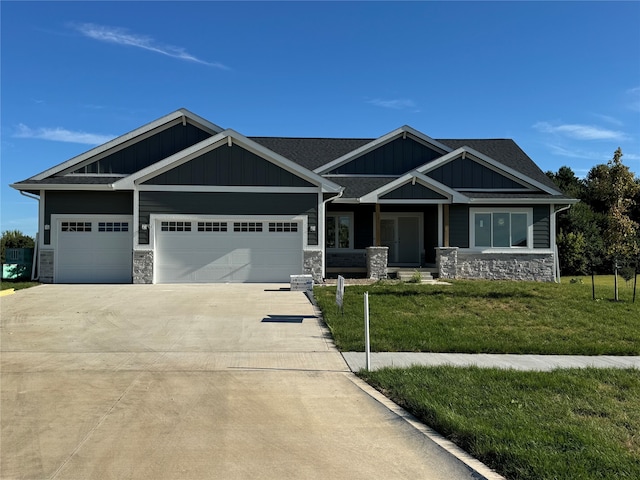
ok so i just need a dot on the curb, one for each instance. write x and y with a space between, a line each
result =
8 291
479 469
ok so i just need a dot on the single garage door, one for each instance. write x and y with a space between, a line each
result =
94 250
227 251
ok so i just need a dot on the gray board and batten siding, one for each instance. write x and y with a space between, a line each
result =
394 158
413 192
229 203
459 226
463 173
84 203
147 151
229 166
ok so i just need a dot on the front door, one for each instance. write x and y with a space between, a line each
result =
401 233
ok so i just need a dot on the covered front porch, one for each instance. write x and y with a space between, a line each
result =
411 233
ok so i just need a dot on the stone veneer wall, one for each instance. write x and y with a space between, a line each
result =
377 258
356 258
495 266
45 272
312 264
143 266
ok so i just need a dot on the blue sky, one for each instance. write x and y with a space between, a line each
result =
560 78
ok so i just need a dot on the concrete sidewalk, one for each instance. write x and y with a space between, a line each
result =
357 361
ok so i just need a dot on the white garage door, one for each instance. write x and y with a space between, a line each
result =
227 251
94 250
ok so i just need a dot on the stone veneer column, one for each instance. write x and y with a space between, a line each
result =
312 264
377 262
143 266
45 272
447 262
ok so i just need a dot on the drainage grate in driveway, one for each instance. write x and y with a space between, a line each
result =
286 318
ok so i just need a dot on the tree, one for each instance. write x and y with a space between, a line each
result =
618 188
579 228
14 239
567 182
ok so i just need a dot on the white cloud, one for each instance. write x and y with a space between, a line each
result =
575 153
61 135
121 36
601 157
609 119
580 132
634 94
397 104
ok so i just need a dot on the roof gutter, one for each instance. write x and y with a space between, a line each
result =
28 195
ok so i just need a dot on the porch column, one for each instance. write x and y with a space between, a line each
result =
377 225
445 225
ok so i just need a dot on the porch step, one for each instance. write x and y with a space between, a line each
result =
408 275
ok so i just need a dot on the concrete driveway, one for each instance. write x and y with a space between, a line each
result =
228 381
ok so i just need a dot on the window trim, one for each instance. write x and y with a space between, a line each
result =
493 210
349 215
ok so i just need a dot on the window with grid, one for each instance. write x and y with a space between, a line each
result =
247 226
113 226
76 226
212 226
283 227
175 226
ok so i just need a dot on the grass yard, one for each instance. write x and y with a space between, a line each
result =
566 424
487 317
7 284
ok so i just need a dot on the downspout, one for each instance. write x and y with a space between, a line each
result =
36 258
324 240
556 260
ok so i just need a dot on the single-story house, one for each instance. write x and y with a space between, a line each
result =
183 200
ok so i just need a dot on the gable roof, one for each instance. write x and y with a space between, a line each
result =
226 137
311 158
508 153
180 115
403 132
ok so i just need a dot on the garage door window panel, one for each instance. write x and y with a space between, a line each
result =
283 227
247 226
175 226
75 226
212 226
113 226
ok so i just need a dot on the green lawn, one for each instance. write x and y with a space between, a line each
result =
566 424
487 317
7 284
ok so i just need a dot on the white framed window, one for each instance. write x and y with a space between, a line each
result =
339 230
501 228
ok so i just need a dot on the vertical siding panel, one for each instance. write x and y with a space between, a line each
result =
459 226
541 226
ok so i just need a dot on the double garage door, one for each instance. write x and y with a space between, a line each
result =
93 249
242 250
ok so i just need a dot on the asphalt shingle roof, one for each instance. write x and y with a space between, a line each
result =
311 153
